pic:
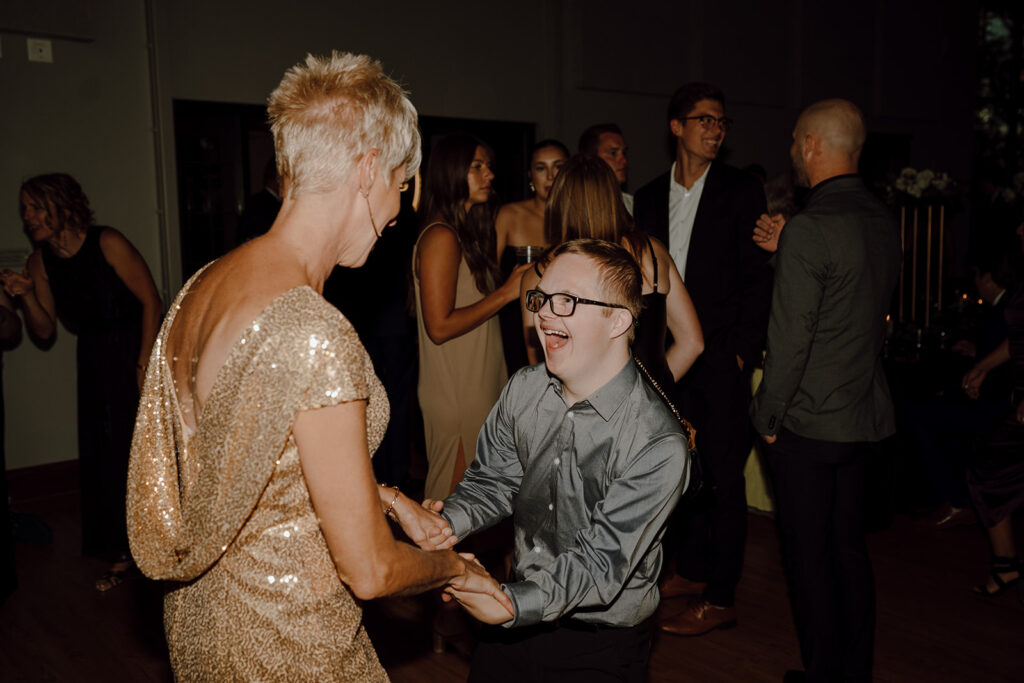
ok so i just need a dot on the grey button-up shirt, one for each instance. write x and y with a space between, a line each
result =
590 486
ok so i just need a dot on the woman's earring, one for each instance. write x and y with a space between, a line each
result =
532 188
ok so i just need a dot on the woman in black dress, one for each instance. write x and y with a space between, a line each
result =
586 202
94 280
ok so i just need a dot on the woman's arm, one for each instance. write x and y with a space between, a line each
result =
32 288
129 265
437 262
976 375
687 336
336 466
502 223
534 350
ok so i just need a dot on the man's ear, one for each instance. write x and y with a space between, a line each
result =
676 126
622 320
368 167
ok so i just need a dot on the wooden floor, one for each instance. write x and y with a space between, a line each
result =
930 628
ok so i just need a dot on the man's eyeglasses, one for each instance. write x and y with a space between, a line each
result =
562 304
707 121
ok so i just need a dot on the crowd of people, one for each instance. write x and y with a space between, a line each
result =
569 346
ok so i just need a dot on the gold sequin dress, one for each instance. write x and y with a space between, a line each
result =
224 512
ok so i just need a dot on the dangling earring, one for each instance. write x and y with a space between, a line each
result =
533 189
366 196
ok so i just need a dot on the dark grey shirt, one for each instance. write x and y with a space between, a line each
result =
590 486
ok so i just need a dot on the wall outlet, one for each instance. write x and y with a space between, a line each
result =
39 50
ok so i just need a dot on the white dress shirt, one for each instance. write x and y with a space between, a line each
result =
682 209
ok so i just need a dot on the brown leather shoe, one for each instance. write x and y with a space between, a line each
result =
699 617
675 585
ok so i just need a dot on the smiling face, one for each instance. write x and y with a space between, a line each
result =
612 148
578 346
546 163
39 218
695 141
479 178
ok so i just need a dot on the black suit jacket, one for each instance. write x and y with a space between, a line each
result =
835 271
727 275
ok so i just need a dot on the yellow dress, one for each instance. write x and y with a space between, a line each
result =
224 512
459 382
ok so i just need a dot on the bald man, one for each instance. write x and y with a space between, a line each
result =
824 395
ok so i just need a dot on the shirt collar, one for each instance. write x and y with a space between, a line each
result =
828 181
675 186
607 399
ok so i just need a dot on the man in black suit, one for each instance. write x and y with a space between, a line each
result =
704 211
824 395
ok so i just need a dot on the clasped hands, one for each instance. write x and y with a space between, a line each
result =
474 588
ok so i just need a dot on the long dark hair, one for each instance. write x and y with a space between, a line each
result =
71 206
445 191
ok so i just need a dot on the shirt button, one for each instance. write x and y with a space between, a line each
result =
536 548
551 506
569 414
558 461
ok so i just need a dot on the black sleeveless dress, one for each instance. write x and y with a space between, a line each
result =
93 303
510 317
649 341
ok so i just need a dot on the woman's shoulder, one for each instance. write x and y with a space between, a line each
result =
439 235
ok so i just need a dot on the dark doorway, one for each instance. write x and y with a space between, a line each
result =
221 151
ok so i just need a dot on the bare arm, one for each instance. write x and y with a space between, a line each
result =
976 375
437 262
502 224
32 289
687 337
336 466
129 265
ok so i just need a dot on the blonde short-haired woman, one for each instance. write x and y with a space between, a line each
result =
250 482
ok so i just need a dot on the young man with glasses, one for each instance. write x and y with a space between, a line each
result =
589 462
704 211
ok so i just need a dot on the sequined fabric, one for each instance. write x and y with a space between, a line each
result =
224 513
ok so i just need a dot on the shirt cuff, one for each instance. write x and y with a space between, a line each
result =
528 601
458 520
767 415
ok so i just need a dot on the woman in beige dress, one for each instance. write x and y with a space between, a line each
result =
250 485
458 292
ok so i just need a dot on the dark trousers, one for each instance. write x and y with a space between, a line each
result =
571 653
819 497
709 543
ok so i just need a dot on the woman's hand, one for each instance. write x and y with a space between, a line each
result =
479 594
767 231
17 284
973 380
510 288
423 525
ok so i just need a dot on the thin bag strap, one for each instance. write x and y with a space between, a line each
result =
691 433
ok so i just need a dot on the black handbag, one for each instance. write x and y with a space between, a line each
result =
698 493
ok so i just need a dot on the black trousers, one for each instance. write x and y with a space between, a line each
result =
570 653
819 497
709 544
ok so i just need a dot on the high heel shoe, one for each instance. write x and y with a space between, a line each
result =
1003 565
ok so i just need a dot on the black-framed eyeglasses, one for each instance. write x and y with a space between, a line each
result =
706 121
563 305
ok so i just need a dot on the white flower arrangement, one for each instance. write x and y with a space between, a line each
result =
912 186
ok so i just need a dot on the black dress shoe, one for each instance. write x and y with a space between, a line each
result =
794 676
